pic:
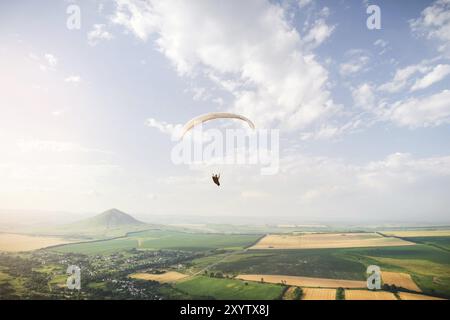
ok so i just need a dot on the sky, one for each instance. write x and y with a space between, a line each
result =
87 114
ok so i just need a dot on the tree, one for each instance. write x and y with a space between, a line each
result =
298 293
340 294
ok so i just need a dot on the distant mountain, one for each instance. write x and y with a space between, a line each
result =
111 223
112 218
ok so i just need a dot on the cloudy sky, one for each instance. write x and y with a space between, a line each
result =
86 114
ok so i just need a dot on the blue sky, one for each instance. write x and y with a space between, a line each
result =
363 114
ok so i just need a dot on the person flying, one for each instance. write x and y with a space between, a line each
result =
216 178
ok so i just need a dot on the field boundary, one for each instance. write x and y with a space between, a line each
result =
413 239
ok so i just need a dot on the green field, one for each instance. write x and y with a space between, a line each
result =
321 263
4 277
202 287
159 239
429 266
439 242
9 283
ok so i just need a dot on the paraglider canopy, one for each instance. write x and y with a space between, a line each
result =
211 116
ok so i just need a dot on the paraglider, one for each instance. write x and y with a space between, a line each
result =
216 178
212 116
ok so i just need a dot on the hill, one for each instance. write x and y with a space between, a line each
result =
110 219
109 224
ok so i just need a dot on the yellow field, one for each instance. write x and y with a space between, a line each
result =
303 281
368 295
398 279
327 240
171 276
319 294
414 296
418 233
19 242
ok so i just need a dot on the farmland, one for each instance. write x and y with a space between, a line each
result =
418 233
317 263
327 240
400 280
303 281
438 242
165 277
213 288
10 242
292 293
319 294
169 264
414 296
428 266
161 239
368 295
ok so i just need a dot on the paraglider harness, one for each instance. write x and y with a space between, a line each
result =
216 178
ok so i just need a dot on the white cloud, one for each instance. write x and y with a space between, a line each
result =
262 63
33 56
66 179
427 111
357 61
304 3
363 96
331 131
434 23
48 61
437 74
51 60
199 93
402 77
383 45
164 127
73 79
318 33
391 186
52 146
98 33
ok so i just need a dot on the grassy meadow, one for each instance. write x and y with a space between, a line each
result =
202 287
161 239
